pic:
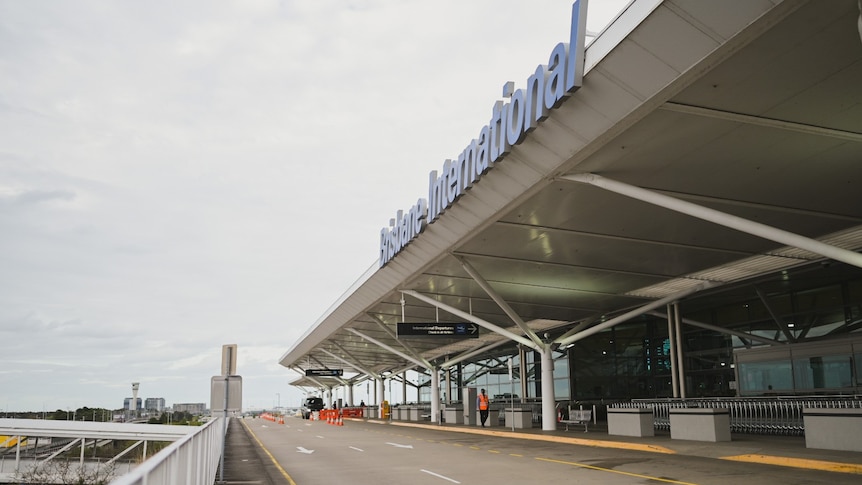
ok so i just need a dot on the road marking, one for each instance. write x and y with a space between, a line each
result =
493 451
439 476
598 468
516 455
274 461
828 466
399 445
355 448
556 439
321 437
300 449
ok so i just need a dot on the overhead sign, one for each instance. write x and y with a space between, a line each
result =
519 113
461 330
324 372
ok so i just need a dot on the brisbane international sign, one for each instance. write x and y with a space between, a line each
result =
545 89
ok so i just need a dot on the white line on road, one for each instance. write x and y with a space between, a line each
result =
300 449
321 437
399 446
355 448
440 476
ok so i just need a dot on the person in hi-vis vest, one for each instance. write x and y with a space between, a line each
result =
484 405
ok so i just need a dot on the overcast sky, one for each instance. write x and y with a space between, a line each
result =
178 175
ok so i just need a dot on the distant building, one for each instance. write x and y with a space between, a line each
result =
128 401
197 408
155 404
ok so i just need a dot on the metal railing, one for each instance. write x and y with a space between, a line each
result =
766 416
191 460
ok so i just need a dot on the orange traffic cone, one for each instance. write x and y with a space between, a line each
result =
340 421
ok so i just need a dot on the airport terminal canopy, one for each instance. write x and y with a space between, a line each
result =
710 144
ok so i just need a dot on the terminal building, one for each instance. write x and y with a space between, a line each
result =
667 211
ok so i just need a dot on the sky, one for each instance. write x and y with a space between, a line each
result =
179 175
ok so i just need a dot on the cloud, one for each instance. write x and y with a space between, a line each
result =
175 176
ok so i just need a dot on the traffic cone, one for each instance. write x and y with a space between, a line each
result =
340 421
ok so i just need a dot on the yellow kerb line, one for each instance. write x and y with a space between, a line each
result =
284 473
597 468
829 466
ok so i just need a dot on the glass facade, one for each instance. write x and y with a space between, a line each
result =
817 311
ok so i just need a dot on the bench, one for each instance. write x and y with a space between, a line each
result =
578 416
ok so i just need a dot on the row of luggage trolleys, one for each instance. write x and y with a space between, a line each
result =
750 416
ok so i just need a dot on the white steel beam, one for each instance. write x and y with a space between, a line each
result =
720 218
631 314
422 363
394 336
508 310
478 321
707 326
346 362
471 353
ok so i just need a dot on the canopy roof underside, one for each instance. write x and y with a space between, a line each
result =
753 109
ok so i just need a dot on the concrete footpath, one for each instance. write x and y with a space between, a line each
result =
786 451
247 461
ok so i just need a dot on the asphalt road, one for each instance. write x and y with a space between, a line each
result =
372 452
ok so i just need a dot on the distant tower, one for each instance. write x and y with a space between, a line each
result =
134 404
228 360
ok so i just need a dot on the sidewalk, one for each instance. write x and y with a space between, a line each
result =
787 451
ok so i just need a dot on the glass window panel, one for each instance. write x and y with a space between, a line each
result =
765 377
827 372
561 388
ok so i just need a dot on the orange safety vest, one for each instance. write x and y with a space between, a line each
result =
483 402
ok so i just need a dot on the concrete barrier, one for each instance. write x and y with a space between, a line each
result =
453 415
833 429
518 417
700 424
631 422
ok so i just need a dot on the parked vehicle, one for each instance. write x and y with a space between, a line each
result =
311 405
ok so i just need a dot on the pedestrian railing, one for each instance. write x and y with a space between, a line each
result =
191 460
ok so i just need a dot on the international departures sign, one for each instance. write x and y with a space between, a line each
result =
324 372
545 90
458 330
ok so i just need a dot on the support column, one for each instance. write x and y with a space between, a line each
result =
448 395
435 395
679 354
671 338
522 371
549 411
378 387
404 387
350 395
